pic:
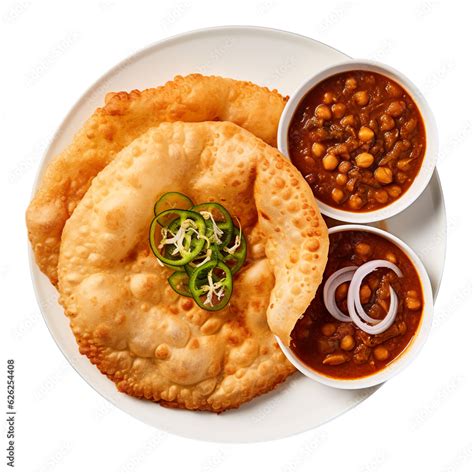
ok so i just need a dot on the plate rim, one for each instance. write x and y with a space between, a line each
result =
45 160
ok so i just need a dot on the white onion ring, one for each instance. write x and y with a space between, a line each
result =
356 283
354 305
329 292
357 314
382 324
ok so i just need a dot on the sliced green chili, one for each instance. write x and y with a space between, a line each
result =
221 218
179 281
190 243
177 268
236 259
201 244
172 200
211 285
208 253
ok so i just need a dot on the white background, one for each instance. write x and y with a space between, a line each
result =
419 421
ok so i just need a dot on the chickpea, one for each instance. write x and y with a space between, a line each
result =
338 110
391 257
394 191
375 311
347 343
400 177
355 202
345 166
383 175
328 98
341 179
365 134
390 140
365 294
381 196
348 121
405 164
334 359
373 282
364 160
330 162
341 291
337 195
393 90
370 79
354 173
302 333
328 329
363 249
396 108
412 293
318 149
323 112
339 149
350 185
402 328
386 123
350 83
361 98
381 353
408 128
412 303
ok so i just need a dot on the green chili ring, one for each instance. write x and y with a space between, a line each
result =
179 281
170 217
194 244
221 217
236 260
199 278
215 255
172 200
178 268
188 239
227 236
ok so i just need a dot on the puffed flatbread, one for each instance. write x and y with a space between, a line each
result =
123 118
161 346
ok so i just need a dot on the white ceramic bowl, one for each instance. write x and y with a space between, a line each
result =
431 152
408 354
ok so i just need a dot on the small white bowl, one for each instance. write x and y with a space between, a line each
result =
431 153
409 353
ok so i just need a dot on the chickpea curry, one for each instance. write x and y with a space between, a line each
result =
358 139
389 295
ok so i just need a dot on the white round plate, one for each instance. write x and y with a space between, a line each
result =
276 59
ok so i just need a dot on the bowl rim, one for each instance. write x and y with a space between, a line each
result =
428 165
408 354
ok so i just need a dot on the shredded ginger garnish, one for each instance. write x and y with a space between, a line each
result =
238 239
211 289
216 232
178 238
207 259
